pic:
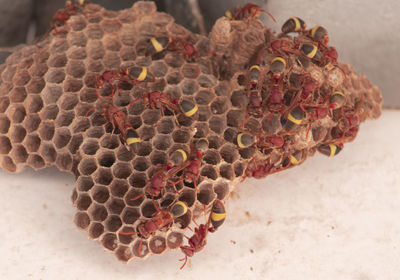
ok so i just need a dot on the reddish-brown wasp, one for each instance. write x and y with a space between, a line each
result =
198 240
248 11
158 100
187 49
62 15
191 170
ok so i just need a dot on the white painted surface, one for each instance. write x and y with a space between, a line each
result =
326 219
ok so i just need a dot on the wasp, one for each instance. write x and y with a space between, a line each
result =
293 24
178 156
330 150
248 11
319 34
202 144
311 51
191 170
157 45
281 47
337 99
188 108
119 120
62 15
112 78
198 241
259 170
295 117
160 220
187 49
157 99
244 140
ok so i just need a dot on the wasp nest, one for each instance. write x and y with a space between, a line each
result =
143 125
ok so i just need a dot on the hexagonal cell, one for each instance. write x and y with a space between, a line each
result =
140 248
19 154
209 172
235 118
57 60
204 97
121 170
146 132
34 103
83 202
68 101
4 124
5 145
62 137
127 53
190 70
207 81
181 135
90 147
8 164
87 166
48 152
247 153
271 124
55 76
35 161
185 220
75 142
174 240
109 241
238 168
95 230
214 142
103 176
158 157
211 157
17 134
65 119
144 149
148 209
174 59
219 106
253 125
188 196
123 253
21 78
130 215
31 122
17 114
84 183
226 171
166 126
119 187
106 158
49 112
76 52
206 194
223 88
36 85
17 94
108 142
113 223
174 78
123 154
239 99
151 117
221 189
157 245
115 206
98 212
82 220
217 124
189 86
100 194
4 103
229 153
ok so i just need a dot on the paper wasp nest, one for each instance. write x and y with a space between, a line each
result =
46 90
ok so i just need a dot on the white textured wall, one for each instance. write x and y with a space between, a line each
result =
365 33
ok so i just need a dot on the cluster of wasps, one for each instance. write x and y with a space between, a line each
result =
281 83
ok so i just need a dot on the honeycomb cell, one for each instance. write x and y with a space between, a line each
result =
103 176
219 106
106 158
235 118
174 240
190 71
72 85
95 230
226 171
223 89
204 97
207 81
95 132
94 31
111 60
115 206
181 136
68 101
87 166
21 78
271 124
113 223
4 124
174 78
214 142
57 60
95 49
130 215
148 209
209 172
221 189
119 187
35 85
189 86
18 94
19 154
17 134
185 220
55 75
174 59
84 183
90 147
77 52
211 156
4 103
48 152
31 123
127 53
74 143
147 132
217 124
83 202
82 220
158 157
151 117
123 253
126 238
238 168
33 103
229 153
157 245
253 126
98 212
166 126
204 113
35 161
206 194
64 161
162 142
188 196
145 149
110 142
77 39
121 170
49 112
109 241
247 153
140 248
138 180
51 93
